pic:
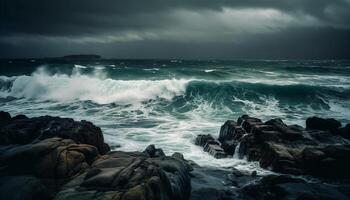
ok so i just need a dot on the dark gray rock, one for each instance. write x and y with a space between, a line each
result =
18 117
152 151
210 183
289 149
316 123
275 187
332 161
345 131
227 131
202 140
23 188
5 117
77 171
55 158
45 155
210 145
247 122
23 130
214 149
131 175
229 146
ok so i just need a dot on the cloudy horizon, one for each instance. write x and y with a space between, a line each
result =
192 29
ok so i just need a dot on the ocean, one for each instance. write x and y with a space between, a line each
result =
169 102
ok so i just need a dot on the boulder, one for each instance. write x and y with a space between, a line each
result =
55 158
210 145
23 187
316 123
152 151
227 130
287 132
23 130
287 149
5 117
217 183
345 131
131 175
230 134
286 187
229 146
51 157
247 123
332 161
201 140
214 149
18 117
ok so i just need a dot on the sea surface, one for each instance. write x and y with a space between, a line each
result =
170 102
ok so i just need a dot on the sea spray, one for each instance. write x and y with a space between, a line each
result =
170 106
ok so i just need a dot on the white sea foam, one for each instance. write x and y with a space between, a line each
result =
266 107
80 66
209 70
97 88
272 78
152 69
134 125
99 67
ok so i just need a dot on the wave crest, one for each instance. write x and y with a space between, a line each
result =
61 87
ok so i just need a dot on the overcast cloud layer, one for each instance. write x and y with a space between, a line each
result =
192 29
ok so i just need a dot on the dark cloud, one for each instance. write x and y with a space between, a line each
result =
181 28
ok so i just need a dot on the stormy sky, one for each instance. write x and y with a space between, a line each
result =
189 29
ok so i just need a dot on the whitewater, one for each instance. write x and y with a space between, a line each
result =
169 102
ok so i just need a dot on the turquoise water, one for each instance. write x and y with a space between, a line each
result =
169 102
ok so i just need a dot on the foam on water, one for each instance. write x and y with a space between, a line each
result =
80 66
137 106
267 107
209 70
62 87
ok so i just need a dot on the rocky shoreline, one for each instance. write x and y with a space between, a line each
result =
59 158
321 152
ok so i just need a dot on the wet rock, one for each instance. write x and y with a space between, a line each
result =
316 123
217 183
201 140
254 174
23 130
287 132
152 151
286 187
230 134
212 194
332 161
210 145
38 170
345 131
177 171
214 149
289 149
53 158
19 117
247 123
325 137
228 130
132 175
23 187
46 157
229 146
5 117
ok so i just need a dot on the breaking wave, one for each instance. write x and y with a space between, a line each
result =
139 104
62 87
99 88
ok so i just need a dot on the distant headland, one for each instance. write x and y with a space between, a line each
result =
82 57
